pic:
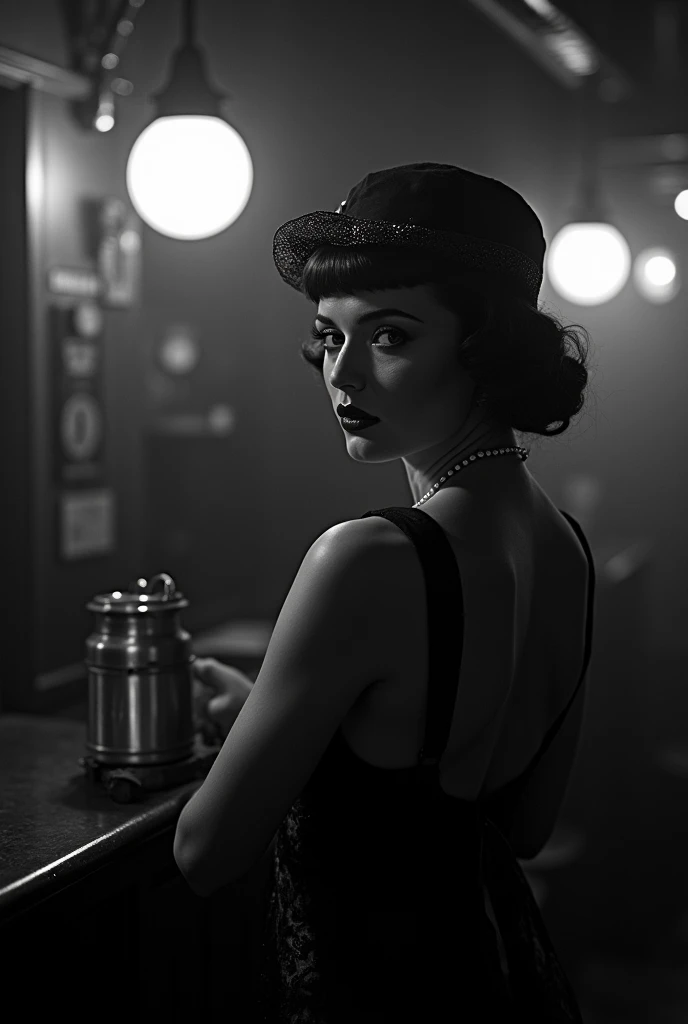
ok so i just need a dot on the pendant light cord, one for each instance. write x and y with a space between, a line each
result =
189 22
589 144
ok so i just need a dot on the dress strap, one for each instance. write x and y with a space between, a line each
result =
551 733
445 621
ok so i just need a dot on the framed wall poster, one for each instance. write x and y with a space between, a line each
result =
118 253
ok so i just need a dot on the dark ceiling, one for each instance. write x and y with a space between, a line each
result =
627 31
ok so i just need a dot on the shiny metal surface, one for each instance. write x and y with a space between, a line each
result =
139 676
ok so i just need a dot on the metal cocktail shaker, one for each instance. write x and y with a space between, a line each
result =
139 676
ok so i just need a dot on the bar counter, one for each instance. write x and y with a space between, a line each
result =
92 903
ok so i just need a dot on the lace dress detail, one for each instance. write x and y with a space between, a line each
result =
295 983
377 908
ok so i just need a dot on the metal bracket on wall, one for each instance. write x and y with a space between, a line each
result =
98 33
20 69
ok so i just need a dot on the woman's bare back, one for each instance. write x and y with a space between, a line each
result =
524 583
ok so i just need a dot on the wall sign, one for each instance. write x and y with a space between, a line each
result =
78 420
73 281
88 319
85 514
86 523
81 429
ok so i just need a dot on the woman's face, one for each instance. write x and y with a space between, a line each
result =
401 368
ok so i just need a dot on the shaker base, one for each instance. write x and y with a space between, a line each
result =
129 783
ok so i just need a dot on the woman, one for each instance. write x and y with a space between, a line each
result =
414 723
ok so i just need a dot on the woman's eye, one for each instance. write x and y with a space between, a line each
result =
390 330
330 333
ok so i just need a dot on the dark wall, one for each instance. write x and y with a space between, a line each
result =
15 380
61 170
72 168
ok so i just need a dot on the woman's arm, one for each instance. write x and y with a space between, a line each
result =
324 651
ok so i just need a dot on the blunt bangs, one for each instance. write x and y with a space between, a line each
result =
345 270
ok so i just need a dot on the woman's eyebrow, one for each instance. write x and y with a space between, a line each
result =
374 315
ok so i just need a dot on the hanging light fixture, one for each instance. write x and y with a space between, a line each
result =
656 274
589 260
189 173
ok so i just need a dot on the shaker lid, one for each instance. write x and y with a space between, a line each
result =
158 594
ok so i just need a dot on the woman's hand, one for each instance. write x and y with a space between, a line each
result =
219 692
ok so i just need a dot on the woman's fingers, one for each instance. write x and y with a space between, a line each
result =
211 674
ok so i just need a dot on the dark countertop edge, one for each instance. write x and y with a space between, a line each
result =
40 885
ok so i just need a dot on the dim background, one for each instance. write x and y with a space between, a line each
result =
323 94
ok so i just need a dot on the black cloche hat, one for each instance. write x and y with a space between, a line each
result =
479 222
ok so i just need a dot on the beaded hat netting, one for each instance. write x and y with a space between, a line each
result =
479 222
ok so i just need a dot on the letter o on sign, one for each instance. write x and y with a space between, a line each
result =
81 427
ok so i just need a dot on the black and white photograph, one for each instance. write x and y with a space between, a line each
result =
343 419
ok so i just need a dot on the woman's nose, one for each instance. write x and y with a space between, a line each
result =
345 371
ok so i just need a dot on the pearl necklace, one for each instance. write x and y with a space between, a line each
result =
522 452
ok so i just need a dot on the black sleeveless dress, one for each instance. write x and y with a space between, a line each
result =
377 910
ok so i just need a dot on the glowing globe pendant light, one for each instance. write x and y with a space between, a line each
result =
189 173
588 260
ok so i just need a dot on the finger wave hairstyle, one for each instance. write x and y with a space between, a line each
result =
531 368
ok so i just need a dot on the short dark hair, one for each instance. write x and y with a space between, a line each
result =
531 368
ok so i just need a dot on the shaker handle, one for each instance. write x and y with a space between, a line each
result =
169 585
